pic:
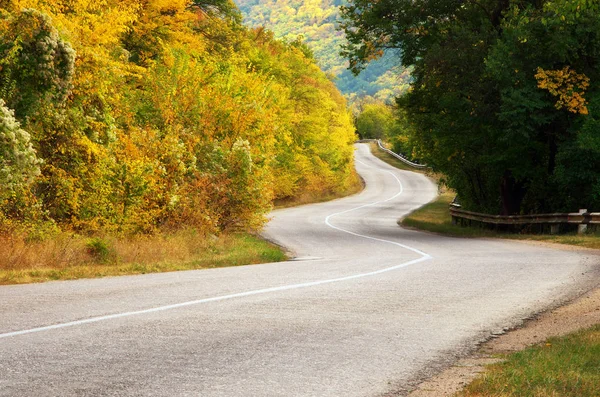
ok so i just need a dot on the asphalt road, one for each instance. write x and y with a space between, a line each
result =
368 309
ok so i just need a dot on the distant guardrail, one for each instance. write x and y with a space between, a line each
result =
553 222
396 155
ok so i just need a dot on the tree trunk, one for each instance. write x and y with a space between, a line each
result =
511 194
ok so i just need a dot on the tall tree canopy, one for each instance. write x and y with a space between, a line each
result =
128 116
506 94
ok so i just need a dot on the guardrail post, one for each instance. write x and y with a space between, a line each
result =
554 228
582 228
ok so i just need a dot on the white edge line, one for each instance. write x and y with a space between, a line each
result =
214 299
423 257
328 222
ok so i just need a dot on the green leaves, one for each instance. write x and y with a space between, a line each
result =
36 65
500 92
19 163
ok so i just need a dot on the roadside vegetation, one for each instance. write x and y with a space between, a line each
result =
504 98
435 216
124 122
320 197
567 366
68 257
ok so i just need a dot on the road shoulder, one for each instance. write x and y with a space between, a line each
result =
583 312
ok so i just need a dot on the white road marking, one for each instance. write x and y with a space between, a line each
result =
207 300
423 257
328 223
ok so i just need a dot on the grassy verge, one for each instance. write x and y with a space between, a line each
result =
67 256
355 186
567 367
435 217
72 257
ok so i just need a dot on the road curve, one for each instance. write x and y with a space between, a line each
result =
366 309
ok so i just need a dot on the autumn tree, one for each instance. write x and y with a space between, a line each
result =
134 116
375 121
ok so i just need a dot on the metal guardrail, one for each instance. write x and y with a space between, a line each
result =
396 155
582 219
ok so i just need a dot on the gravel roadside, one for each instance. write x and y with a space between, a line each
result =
581 313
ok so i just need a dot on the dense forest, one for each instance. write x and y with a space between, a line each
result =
505 99
316 22
128 116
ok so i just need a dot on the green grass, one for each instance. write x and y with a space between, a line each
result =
567 367
181 251
435 217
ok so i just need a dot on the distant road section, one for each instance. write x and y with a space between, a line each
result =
366 309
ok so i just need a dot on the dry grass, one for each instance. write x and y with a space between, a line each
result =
566 367
67 256
355 186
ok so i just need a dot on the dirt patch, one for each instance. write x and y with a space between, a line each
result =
583 312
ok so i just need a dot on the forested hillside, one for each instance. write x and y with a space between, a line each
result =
316 22
129 116
506 96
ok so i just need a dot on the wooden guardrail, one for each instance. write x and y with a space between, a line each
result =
582 219
400 157
553 222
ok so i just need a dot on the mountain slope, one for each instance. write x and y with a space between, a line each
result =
316 21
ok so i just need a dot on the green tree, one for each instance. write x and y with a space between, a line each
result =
375 121
502 95
36 65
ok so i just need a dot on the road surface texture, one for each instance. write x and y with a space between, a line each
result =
368 309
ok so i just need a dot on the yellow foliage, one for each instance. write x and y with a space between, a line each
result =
567 85
180 119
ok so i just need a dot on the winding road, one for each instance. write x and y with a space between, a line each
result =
365 309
